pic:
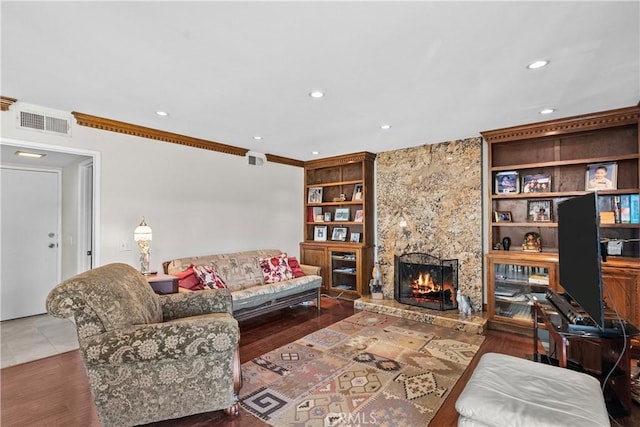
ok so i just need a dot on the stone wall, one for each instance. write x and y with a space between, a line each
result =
437 190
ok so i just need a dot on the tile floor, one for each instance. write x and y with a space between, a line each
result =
35 337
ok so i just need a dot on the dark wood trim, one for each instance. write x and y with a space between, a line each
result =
338 160
145 132
567 125
160 135
272 158
6 102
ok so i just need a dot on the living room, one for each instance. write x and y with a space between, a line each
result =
203 201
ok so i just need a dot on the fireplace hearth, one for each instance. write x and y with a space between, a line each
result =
426 281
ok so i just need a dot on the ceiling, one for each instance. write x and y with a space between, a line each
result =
229 71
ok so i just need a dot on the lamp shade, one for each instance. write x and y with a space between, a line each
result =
142 232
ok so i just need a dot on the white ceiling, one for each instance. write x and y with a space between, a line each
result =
226 71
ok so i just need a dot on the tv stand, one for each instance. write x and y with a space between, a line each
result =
588 352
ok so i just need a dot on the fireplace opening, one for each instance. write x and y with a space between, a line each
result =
425 281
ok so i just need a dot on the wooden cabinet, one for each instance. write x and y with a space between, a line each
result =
547 163
514 280
338 223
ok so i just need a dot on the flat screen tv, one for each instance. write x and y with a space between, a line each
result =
580 253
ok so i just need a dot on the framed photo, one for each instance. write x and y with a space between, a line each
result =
342 214
315 195
507 183
339 233
359 215
327 217
601 176
503 216
355 238
540 183
357 192
320 233
539 210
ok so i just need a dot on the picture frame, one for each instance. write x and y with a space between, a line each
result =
359 216
320 233
327 217
339 234
342 214
357 192
314 195
539 210
354 238
538 183
601 176
507 183
502 216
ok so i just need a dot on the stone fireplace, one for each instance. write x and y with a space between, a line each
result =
425 281
429 200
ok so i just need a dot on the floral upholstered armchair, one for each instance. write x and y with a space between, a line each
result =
151 357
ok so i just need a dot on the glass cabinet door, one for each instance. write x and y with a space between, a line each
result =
515 287
344 270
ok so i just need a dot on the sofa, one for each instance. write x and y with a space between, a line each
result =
244 277
151 357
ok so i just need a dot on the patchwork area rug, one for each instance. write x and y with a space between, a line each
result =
368 369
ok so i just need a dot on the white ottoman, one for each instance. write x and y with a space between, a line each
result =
510 391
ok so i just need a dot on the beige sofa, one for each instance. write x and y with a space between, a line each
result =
243 276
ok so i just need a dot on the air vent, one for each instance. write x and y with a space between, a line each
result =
44 123
255 159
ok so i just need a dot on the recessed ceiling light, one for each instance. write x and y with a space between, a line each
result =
316 94
537 64
28 154
257 137
547 111
315 153
162 113
385 127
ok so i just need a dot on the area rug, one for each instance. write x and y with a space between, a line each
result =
368 369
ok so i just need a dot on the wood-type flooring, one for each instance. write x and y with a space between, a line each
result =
54 391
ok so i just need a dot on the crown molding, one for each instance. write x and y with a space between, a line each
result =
581 123
284 160
338 160
6 102
145 132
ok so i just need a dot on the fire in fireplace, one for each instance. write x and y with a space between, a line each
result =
426 281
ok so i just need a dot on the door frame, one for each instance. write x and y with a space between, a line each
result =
95 203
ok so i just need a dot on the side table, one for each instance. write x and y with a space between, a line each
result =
163 283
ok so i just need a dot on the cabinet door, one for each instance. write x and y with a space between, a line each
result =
344 270
621 292
317 255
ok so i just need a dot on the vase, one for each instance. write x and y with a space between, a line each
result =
506 243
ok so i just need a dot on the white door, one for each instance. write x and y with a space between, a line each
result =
30 226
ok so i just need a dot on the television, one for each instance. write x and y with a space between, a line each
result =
580 253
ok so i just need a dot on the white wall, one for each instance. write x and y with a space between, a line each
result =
196 201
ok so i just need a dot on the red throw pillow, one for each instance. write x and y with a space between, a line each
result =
209 277
295 267
187 279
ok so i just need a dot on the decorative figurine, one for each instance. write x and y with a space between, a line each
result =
464 304
532 242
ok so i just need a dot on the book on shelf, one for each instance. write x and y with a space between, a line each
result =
625 214
607 218
539 279
634 208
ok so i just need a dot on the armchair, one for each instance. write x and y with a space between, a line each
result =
151 357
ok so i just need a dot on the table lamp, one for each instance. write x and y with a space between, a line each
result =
143 235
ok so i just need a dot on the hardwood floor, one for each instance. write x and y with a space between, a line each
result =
55 392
